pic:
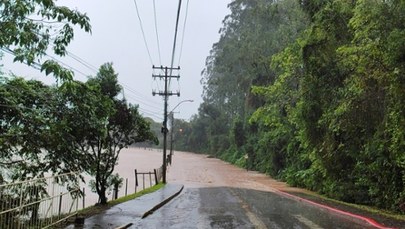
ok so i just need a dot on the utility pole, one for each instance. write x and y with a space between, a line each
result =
166 93
171 135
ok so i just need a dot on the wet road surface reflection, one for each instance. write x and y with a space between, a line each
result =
224 207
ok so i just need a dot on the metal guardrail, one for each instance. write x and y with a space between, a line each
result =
39 203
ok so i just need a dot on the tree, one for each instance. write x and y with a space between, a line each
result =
93 123
30 28
25 113
337 98
327 98
372 102
106 126
26 109
251 35
125 127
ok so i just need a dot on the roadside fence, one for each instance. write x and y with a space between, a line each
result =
46 202
148 179
39 203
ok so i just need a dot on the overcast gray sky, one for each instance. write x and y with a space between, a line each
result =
116 37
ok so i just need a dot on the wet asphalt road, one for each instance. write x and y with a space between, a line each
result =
224 207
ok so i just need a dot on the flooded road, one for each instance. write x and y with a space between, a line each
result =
220 195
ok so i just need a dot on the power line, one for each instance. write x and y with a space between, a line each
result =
150 114
140 98
184 30
80 60
66 65
156 30
38 66
140 101
83 62
143 33
139 95
35 65
93 68
50 104
175 36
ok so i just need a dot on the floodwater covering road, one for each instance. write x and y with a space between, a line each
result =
220 195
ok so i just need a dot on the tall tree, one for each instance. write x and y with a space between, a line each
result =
371 112
327 99
339 88
107 125
252 33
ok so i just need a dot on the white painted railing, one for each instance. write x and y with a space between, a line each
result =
39 203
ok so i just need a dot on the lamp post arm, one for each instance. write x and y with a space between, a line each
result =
188 100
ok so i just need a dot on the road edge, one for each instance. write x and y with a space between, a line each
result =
161 204
370 221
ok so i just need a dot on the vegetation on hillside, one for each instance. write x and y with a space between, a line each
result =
313 93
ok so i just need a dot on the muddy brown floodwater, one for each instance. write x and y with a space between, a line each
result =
196 170
141 159
189 169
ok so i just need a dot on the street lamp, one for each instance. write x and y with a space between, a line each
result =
172 125
171 139
187 100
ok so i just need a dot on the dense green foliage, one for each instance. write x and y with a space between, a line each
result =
24 114
313 93
29 109
76 126
30 28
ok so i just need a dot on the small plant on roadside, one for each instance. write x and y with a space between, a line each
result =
113 181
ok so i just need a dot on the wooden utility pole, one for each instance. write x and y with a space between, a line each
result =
166 93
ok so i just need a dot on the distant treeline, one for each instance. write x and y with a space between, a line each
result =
313 92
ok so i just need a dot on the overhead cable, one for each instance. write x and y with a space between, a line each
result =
35 65
143 32
66 65
175 37
83 62
184 30
157 34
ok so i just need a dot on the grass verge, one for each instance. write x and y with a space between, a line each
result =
97 209
93 210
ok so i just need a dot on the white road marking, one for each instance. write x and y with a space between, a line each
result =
307 222
257 223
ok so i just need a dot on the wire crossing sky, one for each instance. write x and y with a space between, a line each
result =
118 38
175 39
143 32
157 32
